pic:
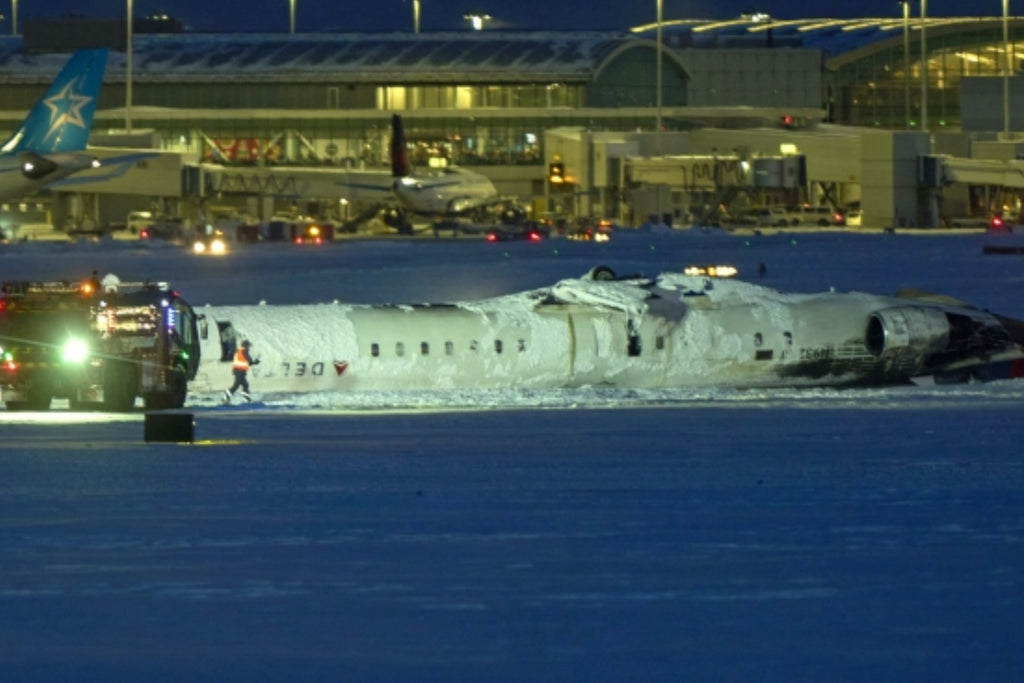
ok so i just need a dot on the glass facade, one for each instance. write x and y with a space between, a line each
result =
362 140
878 90
349 124
246 120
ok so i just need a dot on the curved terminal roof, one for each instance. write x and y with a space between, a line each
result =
467 57
839 40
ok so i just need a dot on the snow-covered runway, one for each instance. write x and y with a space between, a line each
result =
727 543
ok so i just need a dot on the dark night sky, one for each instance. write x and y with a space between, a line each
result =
438 15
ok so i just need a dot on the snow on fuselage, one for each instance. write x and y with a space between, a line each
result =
676 331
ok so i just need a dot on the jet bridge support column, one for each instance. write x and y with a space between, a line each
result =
889 189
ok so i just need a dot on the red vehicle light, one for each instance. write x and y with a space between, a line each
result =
298 240
492 237
534 236
144 234
997 222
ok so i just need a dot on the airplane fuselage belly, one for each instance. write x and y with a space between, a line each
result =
333 347
377 348
811 342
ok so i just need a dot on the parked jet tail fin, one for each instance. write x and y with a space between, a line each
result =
399 155
62 119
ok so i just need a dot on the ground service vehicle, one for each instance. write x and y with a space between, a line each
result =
95 348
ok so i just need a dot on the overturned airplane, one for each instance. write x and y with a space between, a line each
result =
673 330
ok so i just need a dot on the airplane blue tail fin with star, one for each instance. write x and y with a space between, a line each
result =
62 119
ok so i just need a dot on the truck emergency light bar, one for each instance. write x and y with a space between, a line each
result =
140 286
24 287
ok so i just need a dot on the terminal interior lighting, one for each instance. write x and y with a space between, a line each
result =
556 172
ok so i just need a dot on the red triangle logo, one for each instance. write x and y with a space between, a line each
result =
340 366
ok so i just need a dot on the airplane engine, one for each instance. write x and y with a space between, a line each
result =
397 219
907 330
461 205
35 166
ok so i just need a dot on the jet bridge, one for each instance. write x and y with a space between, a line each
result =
288 182
701 184
941 170
973 187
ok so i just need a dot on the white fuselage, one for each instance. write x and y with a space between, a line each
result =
450 190
578 333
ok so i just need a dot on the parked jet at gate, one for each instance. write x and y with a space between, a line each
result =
438 193
50 144
672 331
446 191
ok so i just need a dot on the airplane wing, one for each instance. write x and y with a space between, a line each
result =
367 186
108 169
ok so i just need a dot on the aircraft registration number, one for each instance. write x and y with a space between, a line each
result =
823 353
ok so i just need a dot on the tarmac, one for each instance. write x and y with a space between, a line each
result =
427 233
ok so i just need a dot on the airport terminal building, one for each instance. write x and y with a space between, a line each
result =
252 111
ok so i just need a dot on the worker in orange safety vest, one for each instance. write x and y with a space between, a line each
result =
240 369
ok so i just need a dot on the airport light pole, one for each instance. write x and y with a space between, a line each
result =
924 67
416 16
128 67
1006 69
291 16
657 86
906 60
14 17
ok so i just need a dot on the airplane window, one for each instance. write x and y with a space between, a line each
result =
522 345
497 346
424 348
473 345
659 342
449 348
399 349
788 336
375 350
758 340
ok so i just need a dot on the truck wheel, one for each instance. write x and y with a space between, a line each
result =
119 383
177 389
80 406
37 400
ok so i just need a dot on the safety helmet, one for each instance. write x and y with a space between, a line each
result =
246 343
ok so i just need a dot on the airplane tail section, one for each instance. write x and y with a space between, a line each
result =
399 155
62 119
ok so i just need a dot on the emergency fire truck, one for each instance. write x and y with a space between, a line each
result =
99 346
